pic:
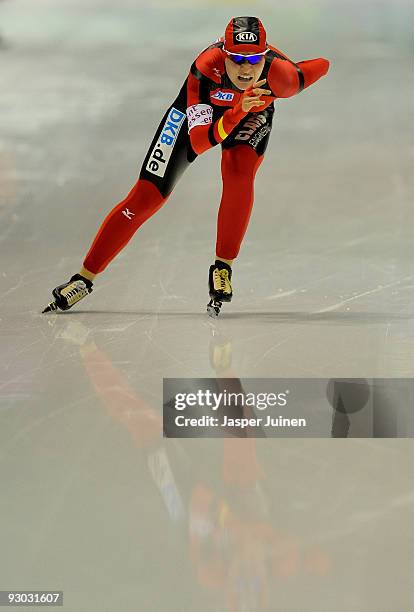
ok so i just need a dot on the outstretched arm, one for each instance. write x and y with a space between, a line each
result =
287 78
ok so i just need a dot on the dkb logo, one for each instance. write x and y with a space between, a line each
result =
161 153
223 95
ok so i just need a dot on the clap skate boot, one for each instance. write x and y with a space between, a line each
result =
70 293
219 282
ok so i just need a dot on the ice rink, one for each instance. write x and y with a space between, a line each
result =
94 501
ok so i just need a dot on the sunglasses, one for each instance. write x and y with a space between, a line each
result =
240 59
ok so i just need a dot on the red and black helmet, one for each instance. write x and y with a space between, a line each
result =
245 35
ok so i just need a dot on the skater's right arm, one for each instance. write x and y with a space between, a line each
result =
204 133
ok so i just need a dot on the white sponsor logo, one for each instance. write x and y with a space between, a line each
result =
199 114
223 95
161 153
258 136
246 37
128 213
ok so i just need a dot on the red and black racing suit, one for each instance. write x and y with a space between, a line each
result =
206 112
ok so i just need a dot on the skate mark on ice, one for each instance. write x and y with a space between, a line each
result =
363 294
301 288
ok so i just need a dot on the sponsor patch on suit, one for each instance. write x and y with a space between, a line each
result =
161 153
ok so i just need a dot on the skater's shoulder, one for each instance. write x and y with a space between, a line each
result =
210 62
275 53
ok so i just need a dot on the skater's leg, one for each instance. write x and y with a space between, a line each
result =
121 224
115 232
242 154
239 165
164 164
155 185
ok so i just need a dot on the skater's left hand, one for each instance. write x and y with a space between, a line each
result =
251 97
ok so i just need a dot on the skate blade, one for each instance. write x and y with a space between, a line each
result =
50 307
213 309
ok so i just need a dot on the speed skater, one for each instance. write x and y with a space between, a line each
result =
228 99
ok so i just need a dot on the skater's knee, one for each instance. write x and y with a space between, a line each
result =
240 162
144 199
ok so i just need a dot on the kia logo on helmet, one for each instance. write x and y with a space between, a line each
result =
246 37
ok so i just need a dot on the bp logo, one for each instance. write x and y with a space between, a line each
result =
246 37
